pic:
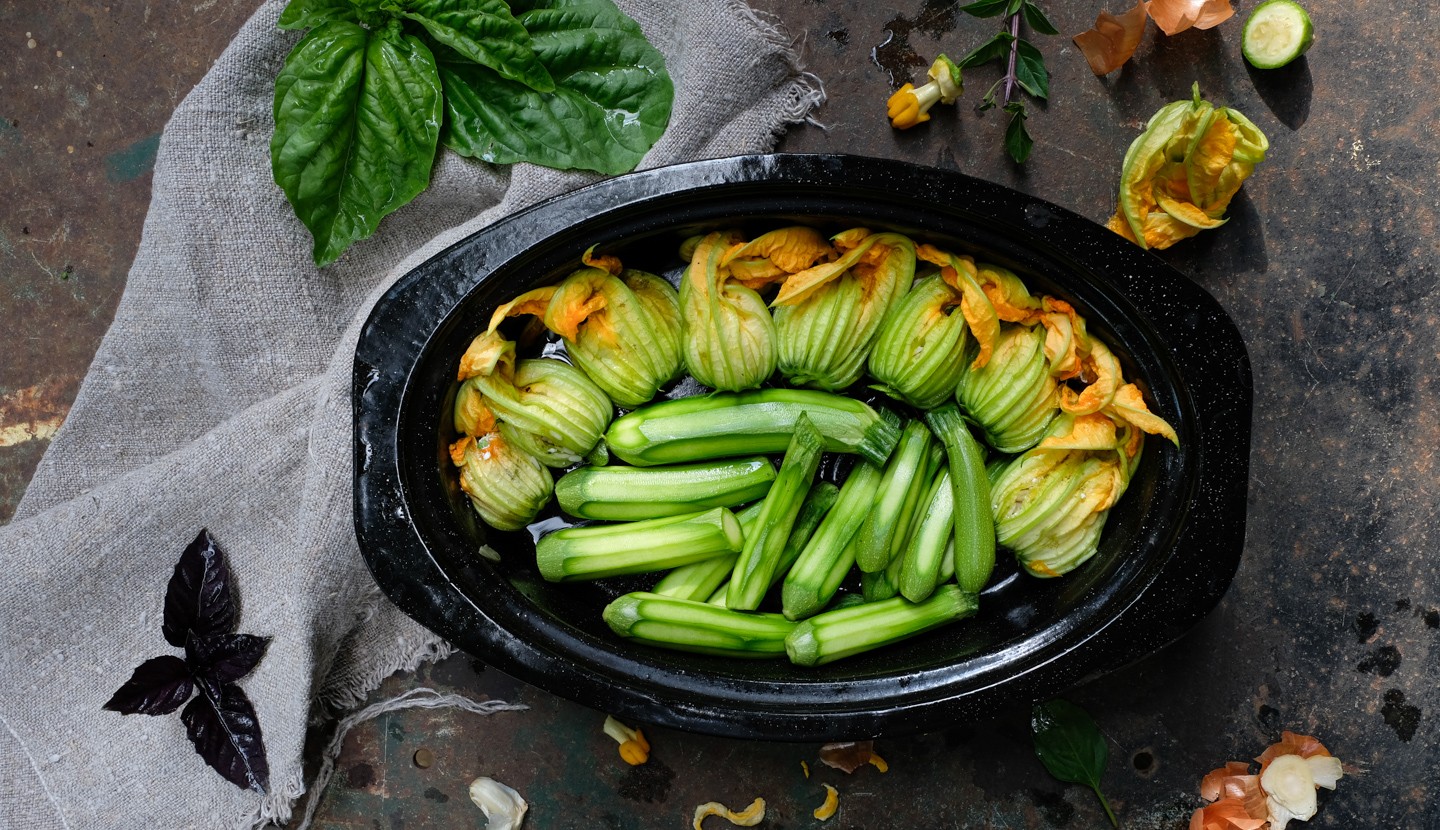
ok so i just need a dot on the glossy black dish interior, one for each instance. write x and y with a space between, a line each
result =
1169 551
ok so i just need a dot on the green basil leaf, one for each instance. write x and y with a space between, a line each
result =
1013 7
307 14
1067 741
357 116
996 48
985 8
1038 21
611 102
1030 70
483 31
1018 144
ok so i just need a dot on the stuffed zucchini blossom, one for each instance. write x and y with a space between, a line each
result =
828 316
620 325
919 354
506 485
729 340
543 406
1050 503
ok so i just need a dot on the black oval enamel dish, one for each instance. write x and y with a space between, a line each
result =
1169 551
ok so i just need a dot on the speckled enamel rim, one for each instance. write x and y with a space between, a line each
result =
1182 543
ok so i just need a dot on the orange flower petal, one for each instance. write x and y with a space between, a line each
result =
799 286
458 450
1064 334
1226 814
1113 40
488 354
931 254
605 262
1175 16
790 249
1087 432
531 302
1129 405
1163 230
573 301
755 274
1119 224
1213 784
472 416
1011 299
1102 368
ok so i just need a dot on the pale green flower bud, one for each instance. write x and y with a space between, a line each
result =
506 485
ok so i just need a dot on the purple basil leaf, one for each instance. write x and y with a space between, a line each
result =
223 658
222 725
157 687
199 598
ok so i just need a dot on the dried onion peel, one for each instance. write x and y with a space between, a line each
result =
1290 771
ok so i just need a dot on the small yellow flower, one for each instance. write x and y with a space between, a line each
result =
910 106
634 749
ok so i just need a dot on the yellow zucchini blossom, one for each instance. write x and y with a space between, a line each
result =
620 325
634 749
910 106
1179 176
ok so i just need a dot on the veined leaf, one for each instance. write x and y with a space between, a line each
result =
198 598
357 120
611 102
158 686
1013 7
1017 138
483 31
1038 21
996 48
1030 70
1070 745
222 725
224 658
307 14
985 8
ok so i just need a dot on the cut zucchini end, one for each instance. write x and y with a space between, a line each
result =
1276 33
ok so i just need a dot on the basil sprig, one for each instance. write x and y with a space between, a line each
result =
368 95
1024 66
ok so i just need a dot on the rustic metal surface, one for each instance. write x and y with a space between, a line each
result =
1327 265
85 88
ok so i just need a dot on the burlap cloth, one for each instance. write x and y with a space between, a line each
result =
220 399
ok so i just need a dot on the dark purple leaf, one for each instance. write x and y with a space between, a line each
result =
157 687
199 598
224 658
222 725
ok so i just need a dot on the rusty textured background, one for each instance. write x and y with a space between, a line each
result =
1327 265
